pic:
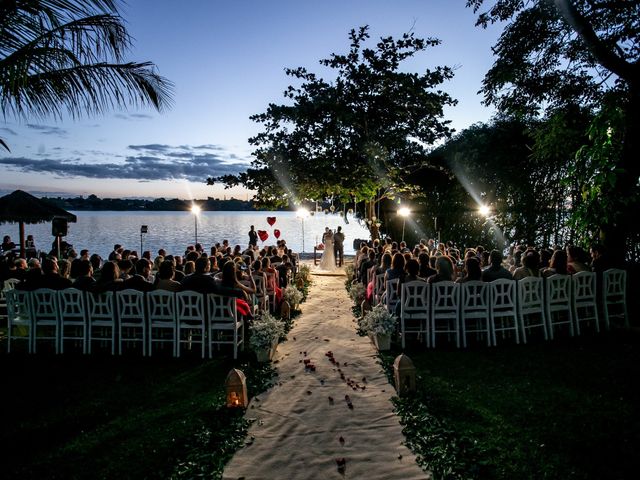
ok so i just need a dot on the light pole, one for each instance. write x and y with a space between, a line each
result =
302 213
143 229
195 209
404 212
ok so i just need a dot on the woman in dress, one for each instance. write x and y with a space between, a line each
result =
328 261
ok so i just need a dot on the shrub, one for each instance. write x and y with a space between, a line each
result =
292 295
358 293
378 320
265 330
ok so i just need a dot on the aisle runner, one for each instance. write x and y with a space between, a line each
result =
313 424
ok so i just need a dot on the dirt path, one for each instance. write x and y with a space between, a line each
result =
304 426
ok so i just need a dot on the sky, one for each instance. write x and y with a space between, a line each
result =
227 61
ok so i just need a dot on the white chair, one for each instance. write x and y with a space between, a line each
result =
225 325
161 308
9 284
131 319
378 289
474 308
444 315
557 301
19 323
73 317
502 308
391 297
46 317
531 305
414 310
583 299
101 320
190 318
614 294
261 293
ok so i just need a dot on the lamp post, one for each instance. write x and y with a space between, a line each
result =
195 209
143 229
404 212
302 213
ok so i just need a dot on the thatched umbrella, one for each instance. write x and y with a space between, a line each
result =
22 207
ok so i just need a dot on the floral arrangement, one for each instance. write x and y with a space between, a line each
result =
378 320
265 330
304 272
358 293
349 269
320 246
292 295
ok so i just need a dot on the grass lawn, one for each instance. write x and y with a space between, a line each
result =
554 410
76 416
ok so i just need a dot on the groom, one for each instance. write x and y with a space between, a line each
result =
338 246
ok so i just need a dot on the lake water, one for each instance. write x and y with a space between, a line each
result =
173 231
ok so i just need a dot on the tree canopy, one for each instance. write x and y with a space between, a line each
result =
352 137
68 56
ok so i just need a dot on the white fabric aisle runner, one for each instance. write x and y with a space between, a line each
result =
298 432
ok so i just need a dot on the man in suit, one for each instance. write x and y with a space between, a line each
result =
139 280
338 246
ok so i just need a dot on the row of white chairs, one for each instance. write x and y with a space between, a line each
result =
123 317
485 308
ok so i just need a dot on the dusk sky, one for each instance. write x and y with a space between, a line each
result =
227 62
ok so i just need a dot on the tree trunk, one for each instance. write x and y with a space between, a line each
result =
371 214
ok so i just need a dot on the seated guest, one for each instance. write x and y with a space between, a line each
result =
472 270
109 280
32 280
396 270
18 269
599 261
126 268
96 265
231 286
178 275
64 268
271 280
425 268
557 265
284 271
529 268
445 270
200 280
140 281
51 278
73 271
7 244
576 260
85 280
117 250
366 265
385 264
495 270
165 277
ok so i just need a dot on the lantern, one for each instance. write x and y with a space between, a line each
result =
236 387
404 374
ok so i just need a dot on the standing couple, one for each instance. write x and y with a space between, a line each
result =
333 255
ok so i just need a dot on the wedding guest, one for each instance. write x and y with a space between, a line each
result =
529 268
85 281
109 280
472 271
139 281
557 265
576 260
64 268
165 278
7 244
51 278
200 280
495 270
445 270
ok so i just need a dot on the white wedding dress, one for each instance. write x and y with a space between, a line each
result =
328 260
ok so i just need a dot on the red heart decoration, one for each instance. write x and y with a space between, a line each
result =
276 233
271 220
263 235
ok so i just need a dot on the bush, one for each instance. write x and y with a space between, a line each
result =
265 330
378 320
292 295
358 293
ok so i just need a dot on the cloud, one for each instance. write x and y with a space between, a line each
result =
8 130
141 167
133 116
48 130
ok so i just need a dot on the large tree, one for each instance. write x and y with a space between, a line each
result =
349 138
554 54
68 56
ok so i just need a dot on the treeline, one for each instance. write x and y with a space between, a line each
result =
92 202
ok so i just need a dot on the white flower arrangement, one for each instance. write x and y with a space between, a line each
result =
349 269
265 330
292 295
378 320
304 272
358 293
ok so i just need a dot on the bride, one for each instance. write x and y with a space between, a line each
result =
328 261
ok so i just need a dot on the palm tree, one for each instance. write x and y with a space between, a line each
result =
67 56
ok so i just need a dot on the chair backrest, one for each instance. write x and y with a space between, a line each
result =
445 298
392 294
557 289
530 294
614 282
130 304
414 297
474 297
100 306
260 290
161 305
221 309
189 306
583 286
18 305
72 304
10 284
378 285
44 302
503 295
